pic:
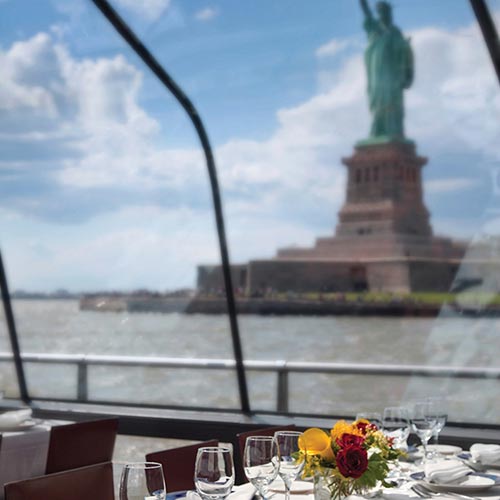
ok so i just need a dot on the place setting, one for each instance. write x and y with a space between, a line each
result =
453 476
17 420
482 457
442 468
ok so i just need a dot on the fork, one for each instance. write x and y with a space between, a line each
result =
424 492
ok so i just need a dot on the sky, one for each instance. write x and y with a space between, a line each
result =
103 183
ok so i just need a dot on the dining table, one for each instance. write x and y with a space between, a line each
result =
411 472
23 451
304 491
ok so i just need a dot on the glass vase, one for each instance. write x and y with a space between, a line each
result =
329 486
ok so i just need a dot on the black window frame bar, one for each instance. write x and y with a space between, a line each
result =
13 337
489 31
147 57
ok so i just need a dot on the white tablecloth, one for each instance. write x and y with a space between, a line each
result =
24 454
246 491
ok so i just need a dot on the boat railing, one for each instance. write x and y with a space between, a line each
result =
282 369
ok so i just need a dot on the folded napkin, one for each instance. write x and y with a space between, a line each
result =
445 471
12 419
485 453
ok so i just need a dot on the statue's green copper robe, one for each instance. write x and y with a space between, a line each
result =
389 66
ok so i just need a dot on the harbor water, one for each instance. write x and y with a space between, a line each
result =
59 327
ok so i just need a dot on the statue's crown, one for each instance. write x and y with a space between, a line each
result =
383 6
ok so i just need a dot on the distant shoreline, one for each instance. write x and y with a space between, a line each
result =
281 307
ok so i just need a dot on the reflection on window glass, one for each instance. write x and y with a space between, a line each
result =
357 150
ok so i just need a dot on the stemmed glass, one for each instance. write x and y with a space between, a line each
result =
142 480
396 425
373 417
261 462
291 464
439 409
423 421
214 472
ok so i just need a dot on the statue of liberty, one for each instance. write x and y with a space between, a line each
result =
389 69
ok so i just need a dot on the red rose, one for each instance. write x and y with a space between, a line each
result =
347 440
352 461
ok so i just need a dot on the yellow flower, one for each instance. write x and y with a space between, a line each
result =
315 441
341 428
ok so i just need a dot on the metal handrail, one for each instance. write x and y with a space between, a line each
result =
282 368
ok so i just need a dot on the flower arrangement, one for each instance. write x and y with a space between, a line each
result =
352 457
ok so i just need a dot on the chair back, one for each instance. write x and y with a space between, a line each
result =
81 444
178 465
242 437
93 482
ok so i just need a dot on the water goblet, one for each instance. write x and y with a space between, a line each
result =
439 409
396 425
291 463
214 472
261 462
423 421
142 480
373 417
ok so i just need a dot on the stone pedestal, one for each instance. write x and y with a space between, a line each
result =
383 240
384 192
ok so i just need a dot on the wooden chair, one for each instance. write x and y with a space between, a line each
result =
81 444
178 465
242 437
93 482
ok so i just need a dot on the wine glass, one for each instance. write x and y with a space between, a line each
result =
142 480
214 472
396 425
261 462
439 408
373 417
423 421
291 464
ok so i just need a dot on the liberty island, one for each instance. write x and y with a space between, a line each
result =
383 240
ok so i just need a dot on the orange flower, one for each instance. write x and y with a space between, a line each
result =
315 441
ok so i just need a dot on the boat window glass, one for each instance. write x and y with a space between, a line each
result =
354 294
106 213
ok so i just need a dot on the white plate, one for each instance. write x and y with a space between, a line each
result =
474 482
21 426
444 449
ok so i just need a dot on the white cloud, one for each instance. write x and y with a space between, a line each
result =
154 248
332 48
450 185
148 9
281 191
206 14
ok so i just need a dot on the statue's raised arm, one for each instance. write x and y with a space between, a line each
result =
366 9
